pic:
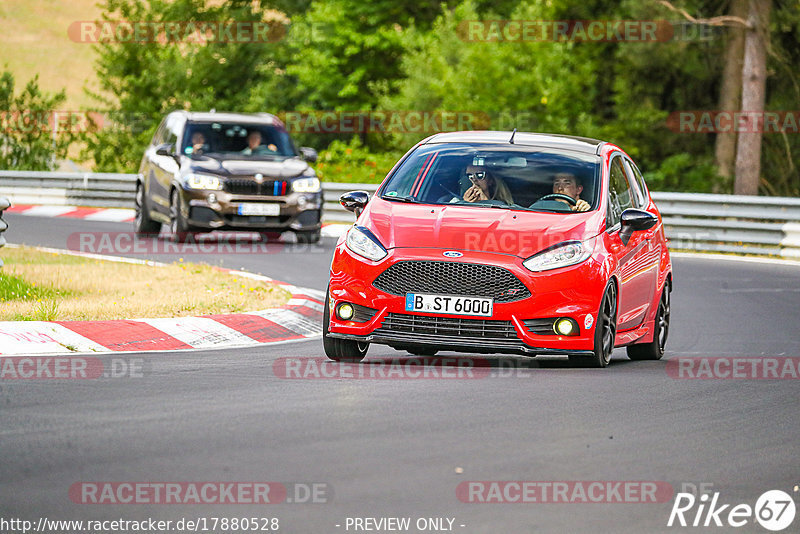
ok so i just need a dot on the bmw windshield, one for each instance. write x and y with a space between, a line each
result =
223 140
514 177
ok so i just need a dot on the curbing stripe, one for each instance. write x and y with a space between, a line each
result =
39 337
256 328
298 319
291 320
123 335
199 332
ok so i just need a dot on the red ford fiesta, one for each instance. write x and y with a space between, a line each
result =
503 242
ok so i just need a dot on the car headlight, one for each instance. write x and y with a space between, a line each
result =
306 185
561 255
203 181
364 243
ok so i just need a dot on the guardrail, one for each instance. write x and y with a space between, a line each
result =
107 190
4 205
719 223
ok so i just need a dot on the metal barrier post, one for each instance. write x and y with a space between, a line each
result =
4 205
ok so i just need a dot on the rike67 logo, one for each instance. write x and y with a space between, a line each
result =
774 510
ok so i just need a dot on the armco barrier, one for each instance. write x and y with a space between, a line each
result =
106 190
719 223
4 204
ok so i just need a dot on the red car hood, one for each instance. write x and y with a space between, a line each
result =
521 233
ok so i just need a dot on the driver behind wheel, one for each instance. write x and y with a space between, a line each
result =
568 184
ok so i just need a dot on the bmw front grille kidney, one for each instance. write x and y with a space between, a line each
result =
452 278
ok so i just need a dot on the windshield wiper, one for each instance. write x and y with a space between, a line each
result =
400 199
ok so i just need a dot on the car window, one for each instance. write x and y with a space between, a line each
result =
511 176
173 126
638 179
158 137
620 196
222 139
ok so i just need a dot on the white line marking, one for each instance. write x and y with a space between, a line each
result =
724 257
111 215
47 211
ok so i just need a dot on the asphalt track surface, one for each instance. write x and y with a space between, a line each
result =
399 448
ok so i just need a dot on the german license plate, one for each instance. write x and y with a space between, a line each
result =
260 209
418 302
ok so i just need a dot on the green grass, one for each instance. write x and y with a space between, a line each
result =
15 288
43 258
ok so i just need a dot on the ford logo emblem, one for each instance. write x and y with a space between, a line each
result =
452 254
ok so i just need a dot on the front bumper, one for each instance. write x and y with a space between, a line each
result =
298 211
573 292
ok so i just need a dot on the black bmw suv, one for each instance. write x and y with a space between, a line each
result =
227 171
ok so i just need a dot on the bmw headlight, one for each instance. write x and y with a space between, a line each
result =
364 243
306 185
561 255
202 181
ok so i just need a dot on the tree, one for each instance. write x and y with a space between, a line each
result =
27 138
731 89
142 81
754 79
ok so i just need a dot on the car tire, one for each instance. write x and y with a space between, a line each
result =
605 332
178 227
312 236
655 349
340 350
143 225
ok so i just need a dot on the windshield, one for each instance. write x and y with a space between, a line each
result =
247 141
490 175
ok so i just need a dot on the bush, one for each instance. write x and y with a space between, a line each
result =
685 172
352 162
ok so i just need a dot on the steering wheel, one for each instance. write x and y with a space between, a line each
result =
558 196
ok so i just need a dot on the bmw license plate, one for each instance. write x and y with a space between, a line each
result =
417 302
261 208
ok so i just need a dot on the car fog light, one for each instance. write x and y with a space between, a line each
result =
302 201
212 198
564 327
345 311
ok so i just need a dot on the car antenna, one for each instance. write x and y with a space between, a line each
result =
512 136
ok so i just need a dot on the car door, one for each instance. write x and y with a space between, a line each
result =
653 254
164 168
635 257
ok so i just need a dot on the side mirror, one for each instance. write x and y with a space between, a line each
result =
309 154
165 150
635 220
354 201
